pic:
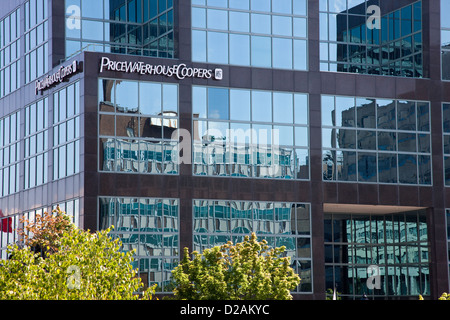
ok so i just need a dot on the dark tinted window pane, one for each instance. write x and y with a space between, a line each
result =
407 142
424 169
328 165
387 141
386 116
126 96
424 143
447 170
387 168
447 144
150 99
423 116
407 168
406 113
346 164
446 64
346 139
367 140
365 113
446 117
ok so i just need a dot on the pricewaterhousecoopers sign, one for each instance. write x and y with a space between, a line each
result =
180 71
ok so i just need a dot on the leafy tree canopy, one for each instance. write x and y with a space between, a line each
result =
70 264
249 270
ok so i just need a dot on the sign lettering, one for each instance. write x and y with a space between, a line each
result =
59 76
180 71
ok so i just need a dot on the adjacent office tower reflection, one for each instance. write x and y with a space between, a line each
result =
348 45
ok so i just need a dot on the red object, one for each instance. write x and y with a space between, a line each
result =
5 223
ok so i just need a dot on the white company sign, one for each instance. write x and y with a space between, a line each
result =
180 71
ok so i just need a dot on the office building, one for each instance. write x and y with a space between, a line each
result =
320 125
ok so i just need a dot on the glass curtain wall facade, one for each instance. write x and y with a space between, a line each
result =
250 133
376 140
445 40
279 223
257 33
10 53
137 127
9 154
36 147
137 27
66 131
446 141
151 227
36 39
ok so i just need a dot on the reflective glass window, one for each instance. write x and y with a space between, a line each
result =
217 19
282 6
360 43
261 23
239 21
239 49
407 168
261 51
239 4
150 119
260 5
199 102
398 139
281 25
199 17
218 221
367 170
406 111
261 106
266 21
217 47
282 53
301 109
198 45
150 227
218 103
240 133
239 104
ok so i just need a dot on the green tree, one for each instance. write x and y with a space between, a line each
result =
74 264
249 270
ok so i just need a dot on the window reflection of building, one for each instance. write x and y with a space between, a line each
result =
376 140
445 40
226 159
123 26
250 133
349 45
135 138
397 244
151 227
270 34
279 223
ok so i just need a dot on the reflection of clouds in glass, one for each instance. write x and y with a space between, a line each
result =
214 114
354 3
338 5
